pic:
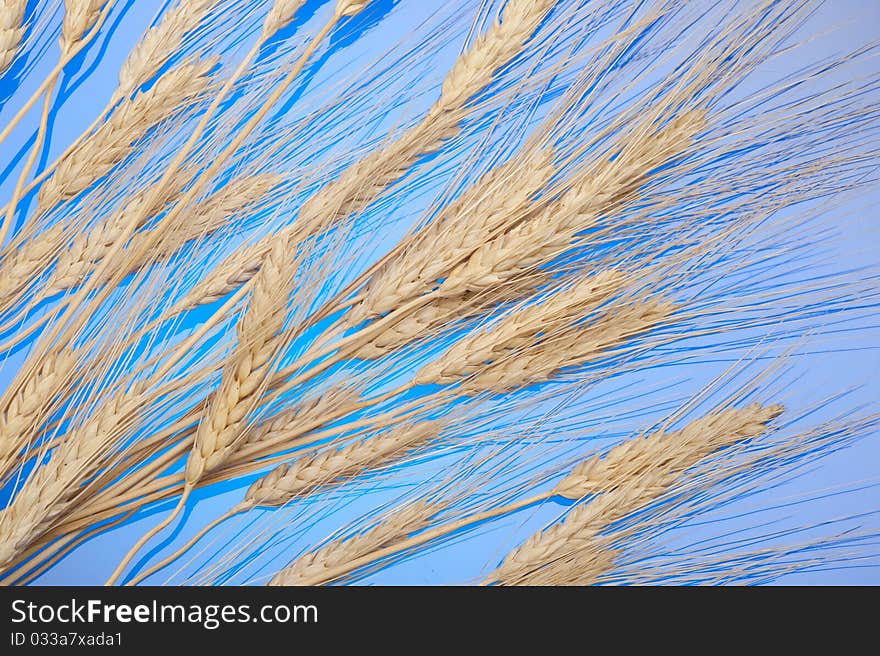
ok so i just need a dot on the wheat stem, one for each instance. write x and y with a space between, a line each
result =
235 510
146 537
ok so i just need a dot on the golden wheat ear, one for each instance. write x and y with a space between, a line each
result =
11 30
340 553
630 477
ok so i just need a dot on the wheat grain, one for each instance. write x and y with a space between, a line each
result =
554 230
493 201
671 451
520 333
51 489
89 249
445 313
11 30
258 331
22 408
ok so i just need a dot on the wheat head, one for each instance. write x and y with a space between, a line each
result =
333 466
646 480
129 123
11 30
399 524
160 42
79 17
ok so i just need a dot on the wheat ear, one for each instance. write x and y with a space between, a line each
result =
223 425
11 30
51 489
21 410
307 474
444 313
80 16
554 230
638 473
668 453
259 330
125 128
160 41
210 214
363 181
399 524
333 466
499 197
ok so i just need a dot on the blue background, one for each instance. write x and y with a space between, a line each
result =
842 362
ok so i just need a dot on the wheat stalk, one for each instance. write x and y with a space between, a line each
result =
21 410
11 30
49 79
637 474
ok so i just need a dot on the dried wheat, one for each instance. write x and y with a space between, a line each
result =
11 30
632 485
129 123
399 524
303 475
160 42
51 489
79 17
